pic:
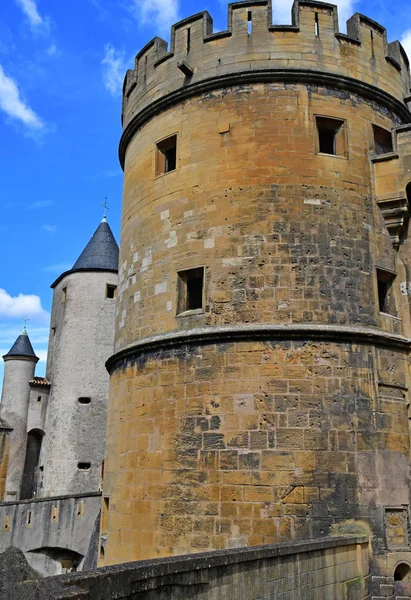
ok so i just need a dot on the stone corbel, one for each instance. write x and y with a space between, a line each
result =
395 213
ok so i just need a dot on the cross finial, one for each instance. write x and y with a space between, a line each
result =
106 208
26 320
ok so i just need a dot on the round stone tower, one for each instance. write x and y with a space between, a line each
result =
259 389
19 365
81 340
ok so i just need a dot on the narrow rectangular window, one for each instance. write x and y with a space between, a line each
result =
190 289
372 44
382 140
386 303
331 136
188 40
166 155
111 291
316 26
250 22
64 294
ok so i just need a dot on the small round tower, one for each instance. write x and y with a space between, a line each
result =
81 340
19 365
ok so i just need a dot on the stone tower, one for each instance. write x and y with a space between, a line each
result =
259 388
81 340
19 365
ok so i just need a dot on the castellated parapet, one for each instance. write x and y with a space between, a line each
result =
260 385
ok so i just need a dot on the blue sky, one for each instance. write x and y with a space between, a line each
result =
62 63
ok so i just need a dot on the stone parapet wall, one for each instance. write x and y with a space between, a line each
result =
326 569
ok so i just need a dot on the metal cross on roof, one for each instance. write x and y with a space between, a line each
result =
26 320
106 208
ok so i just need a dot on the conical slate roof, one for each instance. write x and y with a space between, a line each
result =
101 252
22 347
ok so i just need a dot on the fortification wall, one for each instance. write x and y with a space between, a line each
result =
53 533
311 49
330 568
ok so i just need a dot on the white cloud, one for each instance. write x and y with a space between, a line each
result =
29 8
40 204
282 11
159 13
406 42
50 228
14 106
21 306
114 69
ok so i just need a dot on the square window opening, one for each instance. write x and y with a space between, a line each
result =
331 136
111 291
382 140
190 289
385 279
166 155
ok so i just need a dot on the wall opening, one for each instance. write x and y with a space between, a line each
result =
29 518
382 140
401 572
331 136
316 26
188 40
84 400
250 22
166 155
111 291
190 289
38 398
385 279
372 44
64 294
31 465
84 466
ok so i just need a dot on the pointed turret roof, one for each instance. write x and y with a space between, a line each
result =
100 254
22 347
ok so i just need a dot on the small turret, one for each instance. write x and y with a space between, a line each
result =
81 340
20 363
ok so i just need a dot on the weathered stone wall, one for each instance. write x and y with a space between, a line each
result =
4 457
50 530
322 570
81 340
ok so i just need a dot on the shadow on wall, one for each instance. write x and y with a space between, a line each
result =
54 561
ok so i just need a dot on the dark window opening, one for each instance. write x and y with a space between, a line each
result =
31 465
145 69
102 552
107 503
331 136
190 289
401 571
64 294
84 466
29 517
372 44
111 291
316 26
166 155
250 22
385 280
38 398
84 400
188 40
382 140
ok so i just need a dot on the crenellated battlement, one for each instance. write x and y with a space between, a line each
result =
253 49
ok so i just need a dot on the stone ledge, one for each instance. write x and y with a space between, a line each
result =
52 499
236 333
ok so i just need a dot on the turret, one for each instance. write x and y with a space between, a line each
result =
81 340
19 366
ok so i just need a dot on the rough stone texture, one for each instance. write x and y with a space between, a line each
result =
81 339
50 531
4 456
325 570
14 569
216 441
14 410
